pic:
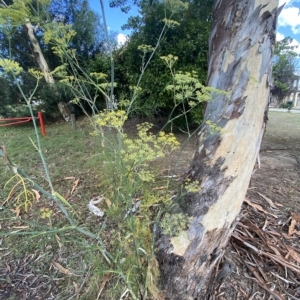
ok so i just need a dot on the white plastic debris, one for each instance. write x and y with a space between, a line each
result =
133 209
93 208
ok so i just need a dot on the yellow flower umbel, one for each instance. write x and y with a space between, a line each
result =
169 60
36 74
10 66
46 212
192 186
138 153
59 36
111 118
145 48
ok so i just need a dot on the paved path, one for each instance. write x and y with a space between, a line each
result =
284 110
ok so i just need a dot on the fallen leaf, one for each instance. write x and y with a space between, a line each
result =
292 253
286 236
108 202
74 185
282 261
275 250
61 269
106 277
58 241
296 217
292 230
257 207
292 227
163 187
16 211
265 225
76 287
37 195
267 199
20 227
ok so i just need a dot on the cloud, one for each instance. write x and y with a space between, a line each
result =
122 39
279 36
288 2
290 16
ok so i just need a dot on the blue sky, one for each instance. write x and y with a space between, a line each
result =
288 22
114 17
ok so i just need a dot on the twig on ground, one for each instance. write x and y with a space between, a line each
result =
260 281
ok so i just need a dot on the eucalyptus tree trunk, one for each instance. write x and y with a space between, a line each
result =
240 62
38 53
36 49
43 65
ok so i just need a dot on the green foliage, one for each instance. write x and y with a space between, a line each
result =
284 68
173 224
287 105
189 96
9 98
213 128
175 6
24 197
180 37
128 175
89 38
14 111
126 165
59 25
12 103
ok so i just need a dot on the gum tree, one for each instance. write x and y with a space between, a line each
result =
25 23
240 62
17 14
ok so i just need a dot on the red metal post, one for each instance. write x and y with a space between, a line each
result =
40 117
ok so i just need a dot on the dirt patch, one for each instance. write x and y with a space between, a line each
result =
279 175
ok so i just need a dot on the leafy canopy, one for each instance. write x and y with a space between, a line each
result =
284 68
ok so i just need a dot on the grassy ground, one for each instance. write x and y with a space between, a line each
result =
67 264
283 125
71 156
69 153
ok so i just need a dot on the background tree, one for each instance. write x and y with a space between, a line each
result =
184 40
240 62
8 96
22 34
89 39
284 69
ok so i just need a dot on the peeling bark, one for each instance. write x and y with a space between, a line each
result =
241 50
38 54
